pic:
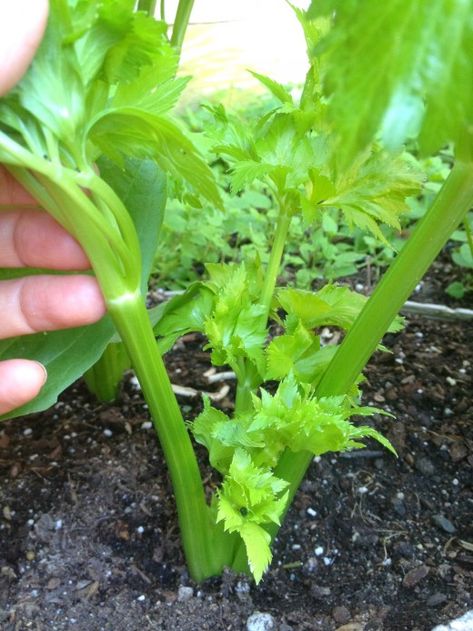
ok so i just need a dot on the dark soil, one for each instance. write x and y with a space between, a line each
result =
88 532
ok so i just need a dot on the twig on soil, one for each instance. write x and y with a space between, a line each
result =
428 310
362 453
184 391
440 312
213 376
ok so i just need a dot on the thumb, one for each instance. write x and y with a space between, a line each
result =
20 381
22 24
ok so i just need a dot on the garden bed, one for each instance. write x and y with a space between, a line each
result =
88 531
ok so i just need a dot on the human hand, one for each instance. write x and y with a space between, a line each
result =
31 238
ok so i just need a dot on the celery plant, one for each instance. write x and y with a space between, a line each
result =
100 90
100 86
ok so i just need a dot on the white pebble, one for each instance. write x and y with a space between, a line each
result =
108 433
141 598
259 621
311 512
318 551
184 593
146 425
27 432
363 490
242 587
135 383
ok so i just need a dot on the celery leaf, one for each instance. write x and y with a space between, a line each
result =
401 68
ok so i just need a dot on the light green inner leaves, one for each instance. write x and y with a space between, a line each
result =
246 448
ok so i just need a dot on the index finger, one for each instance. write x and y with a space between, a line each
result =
22 25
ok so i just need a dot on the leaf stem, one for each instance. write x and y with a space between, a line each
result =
248 377
277 250
131 319
104 377
469 236
149 6
181 21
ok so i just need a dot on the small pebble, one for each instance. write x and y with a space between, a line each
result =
443 523
27 432
242 587
259 621
108 433
146 425
320 592
415 576
399 507
141 598
184 593
341 615
311 512
311 564
319 551
424 466
436 599
135 383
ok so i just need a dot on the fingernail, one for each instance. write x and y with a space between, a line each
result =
45 372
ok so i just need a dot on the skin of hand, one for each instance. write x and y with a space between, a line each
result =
30 238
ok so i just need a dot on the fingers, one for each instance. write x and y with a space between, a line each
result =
11 192
45 303
20 381
22 24
33 239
